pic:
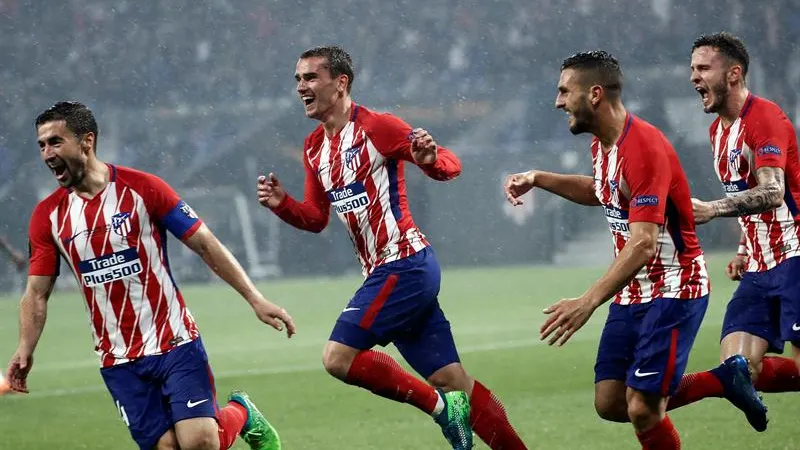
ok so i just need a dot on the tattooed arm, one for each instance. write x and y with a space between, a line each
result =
766 196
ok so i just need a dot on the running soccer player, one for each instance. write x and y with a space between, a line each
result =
109 223
756 158
658 279
354 161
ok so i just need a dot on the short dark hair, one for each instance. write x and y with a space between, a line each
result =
727 44
78 117
597 67
339 61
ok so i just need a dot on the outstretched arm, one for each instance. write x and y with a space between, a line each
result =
32 317
575 188
568 315
224 264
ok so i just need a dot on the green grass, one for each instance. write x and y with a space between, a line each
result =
495 313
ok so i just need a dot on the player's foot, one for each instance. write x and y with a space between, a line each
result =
257 432
454 420
734 374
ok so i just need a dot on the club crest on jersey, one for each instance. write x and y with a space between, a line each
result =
351 159
613 185
121 223
733 158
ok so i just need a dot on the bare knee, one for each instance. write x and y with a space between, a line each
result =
452 377
611 409
205 440
337 359
168 441
643 410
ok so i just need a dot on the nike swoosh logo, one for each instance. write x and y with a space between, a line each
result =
191 404
795 327
350 309
643 374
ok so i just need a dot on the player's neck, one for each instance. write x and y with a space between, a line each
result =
610 125
95 180
734 105
339 116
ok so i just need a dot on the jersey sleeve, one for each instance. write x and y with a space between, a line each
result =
769 138
166 207
313 212
392 137
648 174
43 254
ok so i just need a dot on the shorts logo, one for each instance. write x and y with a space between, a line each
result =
351 198
108 268
795 327
645 200
769 150
351 157
121 223
640 374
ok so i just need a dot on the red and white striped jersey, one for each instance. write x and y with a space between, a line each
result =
641 180
762 136
116 245
360 172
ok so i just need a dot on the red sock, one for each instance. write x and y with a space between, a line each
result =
489 421
778 375
694 387
381 374
231 419
663 436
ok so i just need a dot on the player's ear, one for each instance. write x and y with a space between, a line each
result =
735 73
87 142
342 86
596 93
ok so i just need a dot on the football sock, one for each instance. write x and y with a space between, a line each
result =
489 421
778 375
231 419
694 387
663 436
382 375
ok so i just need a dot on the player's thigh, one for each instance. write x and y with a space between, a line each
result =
429 348
389 301
751 326
188 383
617 342
138 401
199 433
666 337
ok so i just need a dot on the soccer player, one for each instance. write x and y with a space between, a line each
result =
658 279
756 159
109 223
354 161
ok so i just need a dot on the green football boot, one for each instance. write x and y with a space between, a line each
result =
257 432
454 420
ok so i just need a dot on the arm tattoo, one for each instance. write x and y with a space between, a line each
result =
767 196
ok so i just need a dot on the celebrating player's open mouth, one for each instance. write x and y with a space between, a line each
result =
60 170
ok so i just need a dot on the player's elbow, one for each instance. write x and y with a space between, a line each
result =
776 194
646 246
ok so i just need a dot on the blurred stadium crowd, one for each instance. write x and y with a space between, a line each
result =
198 91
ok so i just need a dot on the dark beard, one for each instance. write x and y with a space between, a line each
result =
583 121
720 92
76 175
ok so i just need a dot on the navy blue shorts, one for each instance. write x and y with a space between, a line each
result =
647 345
767 305
154 392
398 303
